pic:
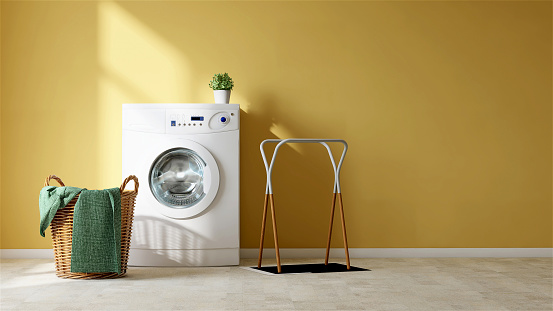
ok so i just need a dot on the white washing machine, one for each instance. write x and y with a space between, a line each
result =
186 158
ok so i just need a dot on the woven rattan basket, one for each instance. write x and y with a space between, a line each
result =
62 233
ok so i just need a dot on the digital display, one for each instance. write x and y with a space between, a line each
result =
197 118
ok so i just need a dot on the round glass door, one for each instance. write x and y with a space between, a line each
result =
177 178
183 177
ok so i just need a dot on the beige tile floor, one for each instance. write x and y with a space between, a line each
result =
393 284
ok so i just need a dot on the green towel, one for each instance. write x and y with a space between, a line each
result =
96 243
50 200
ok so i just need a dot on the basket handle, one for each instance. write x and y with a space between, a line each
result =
126 181
47 181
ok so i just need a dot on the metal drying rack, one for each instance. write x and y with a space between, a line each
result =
270 201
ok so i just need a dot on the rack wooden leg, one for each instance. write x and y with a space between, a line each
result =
344 229
330 227
271 200
262 231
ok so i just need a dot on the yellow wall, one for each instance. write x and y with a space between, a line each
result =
446 107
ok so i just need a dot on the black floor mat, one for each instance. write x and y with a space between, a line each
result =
310 268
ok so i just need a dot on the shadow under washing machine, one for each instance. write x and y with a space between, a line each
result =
188 214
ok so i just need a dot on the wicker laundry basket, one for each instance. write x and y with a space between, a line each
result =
62 233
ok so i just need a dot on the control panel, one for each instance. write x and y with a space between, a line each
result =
182 121
177 120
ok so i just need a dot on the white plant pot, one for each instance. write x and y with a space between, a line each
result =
222 96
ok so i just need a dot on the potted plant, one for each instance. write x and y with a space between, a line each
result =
221 84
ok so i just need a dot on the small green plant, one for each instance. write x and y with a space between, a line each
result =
221 82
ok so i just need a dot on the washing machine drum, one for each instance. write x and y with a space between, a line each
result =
184 180
176 178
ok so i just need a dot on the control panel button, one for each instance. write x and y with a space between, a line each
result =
224 120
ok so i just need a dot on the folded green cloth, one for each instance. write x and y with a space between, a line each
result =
50 200
96 243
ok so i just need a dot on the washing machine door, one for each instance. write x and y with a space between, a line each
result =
184 179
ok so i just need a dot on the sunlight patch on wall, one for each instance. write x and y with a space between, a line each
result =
130 49
136 66
237 98
281 132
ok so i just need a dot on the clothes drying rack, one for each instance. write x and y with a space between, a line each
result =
270 201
